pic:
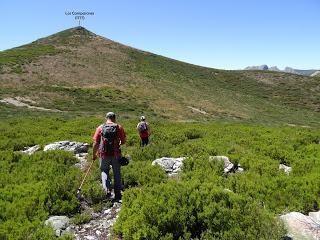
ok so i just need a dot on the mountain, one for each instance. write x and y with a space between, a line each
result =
261 67
286 69
78 72
315 74
274 68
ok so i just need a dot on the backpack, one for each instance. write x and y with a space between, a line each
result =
142 127
109 138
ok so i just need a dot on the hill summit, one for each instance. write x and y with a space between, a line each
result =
76 71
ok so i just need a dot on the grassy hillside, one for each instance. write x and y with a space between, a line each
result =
80 73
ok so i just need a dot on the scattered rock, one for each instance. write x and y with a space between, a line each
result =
239 169
100 226
60 224
227 190
172 166
228 165
31 150
75 147
82 157
300 226
285 168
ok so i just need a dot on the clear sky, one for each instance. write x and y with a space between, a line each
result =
227 34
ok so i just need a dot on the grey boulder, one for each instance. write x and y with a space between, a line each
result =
300 226
228 165
31 150
60 224
172 166
285 168
75 147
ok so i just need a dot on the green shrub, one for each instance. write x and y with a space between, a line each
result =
81 218
142 173
182 210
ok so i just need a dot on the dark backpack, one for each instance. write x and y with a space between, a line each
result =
109 138
142 127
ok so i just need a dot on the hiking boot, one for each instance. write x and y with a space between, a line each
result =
117 200
108 194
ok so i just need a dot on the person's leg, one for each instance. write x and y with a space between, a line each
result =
116 168
105 177
144 141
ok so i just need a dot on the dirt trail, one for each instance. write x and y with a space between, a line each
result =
197 110
23 102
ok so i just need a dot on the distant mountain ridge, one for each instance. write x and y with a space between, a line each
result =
264 67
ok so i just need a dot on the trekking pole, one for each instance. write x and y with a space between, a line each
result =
85 176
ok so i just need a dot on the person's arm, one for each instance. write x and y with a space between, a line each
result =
122 135
149 130
96 141
95 148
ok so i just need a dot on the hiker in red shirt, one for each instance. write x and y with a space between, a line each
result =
144 131
107 141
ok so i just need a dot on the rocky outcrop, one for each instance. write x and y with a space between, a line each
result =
285 168
75 147
31 150
79 149
60 224
228 167
172 166
100 226
300 226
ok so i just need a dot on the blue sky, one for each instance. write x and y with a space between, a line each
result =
227 34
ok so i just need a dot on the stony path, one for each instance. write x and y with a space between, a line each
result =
100 227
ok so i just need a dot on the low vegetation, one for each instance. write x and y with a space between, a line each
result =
202 203
15 58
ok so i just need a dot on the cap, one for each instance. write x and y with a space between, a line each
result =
143 118
110 115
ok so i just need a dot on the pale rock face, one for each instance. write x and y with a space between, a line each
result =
301 227
315 216
60 224
75 147
285 168
172 166
31 150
